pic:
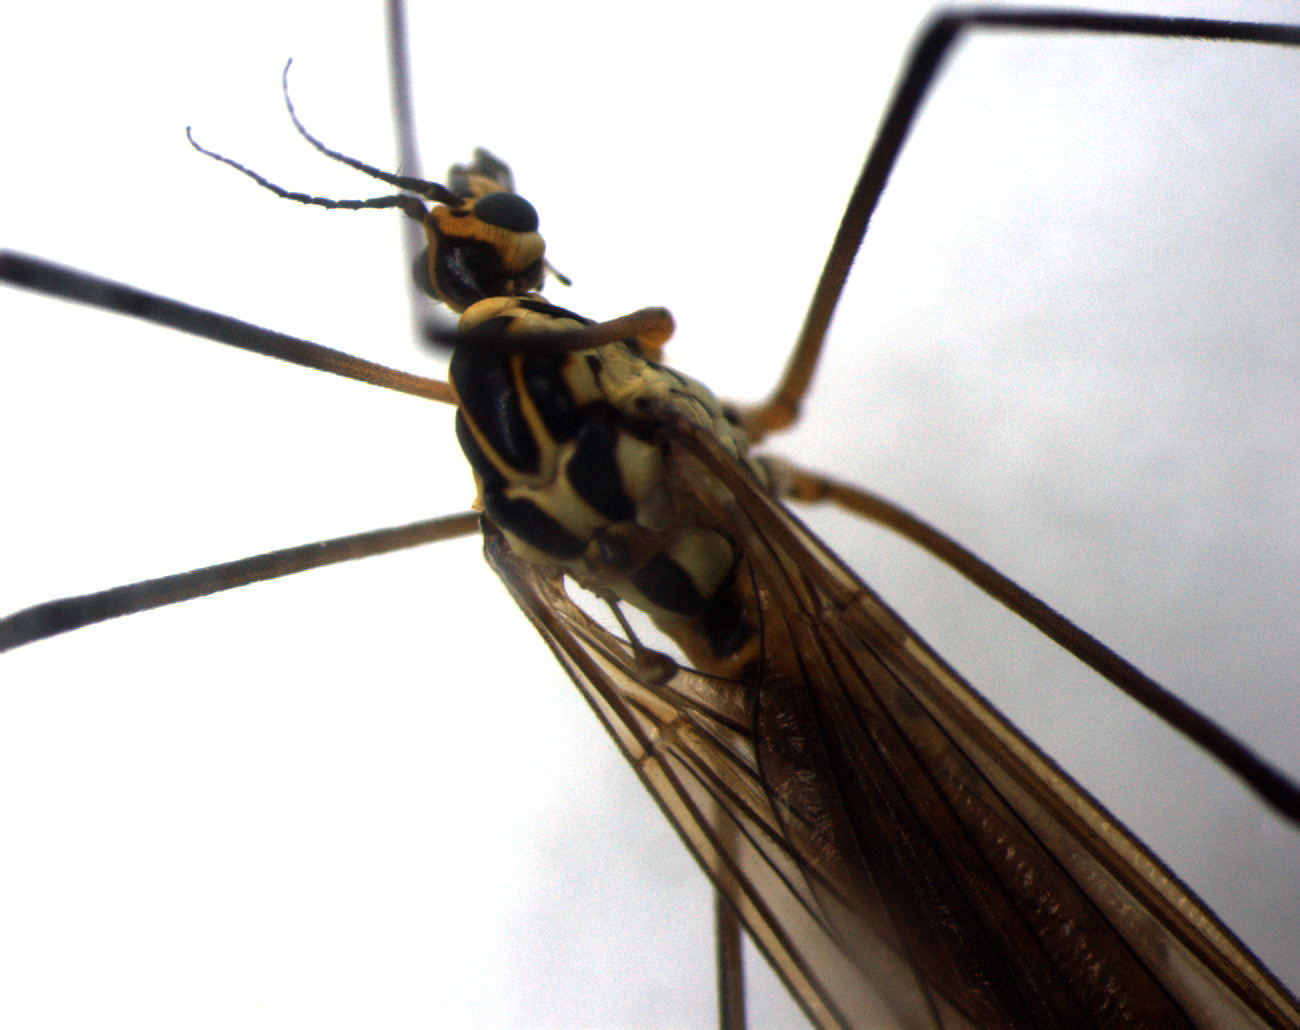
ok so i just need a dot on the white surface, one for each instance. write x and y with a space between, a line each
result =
366 797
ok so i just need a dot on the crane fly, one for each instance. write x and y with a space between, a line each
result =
290 327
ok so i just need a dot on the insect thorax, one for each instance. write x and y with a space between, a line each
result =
570 460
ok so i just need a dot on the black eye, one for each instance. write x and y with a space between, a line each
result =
506 211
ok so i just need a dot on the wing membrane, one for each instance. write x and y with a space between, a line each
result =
898 850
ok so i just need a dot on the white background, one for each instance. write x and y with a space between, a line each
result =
365 797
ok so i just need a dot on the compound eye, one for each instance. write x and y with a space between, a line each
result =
507 211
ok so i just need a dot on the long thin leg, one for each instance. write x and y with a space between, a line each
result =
61 616
781 409
424 316
68 284
69 613
401 97
731 972
1275 789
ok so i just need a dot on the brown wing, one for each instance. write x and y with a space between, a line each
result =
901 854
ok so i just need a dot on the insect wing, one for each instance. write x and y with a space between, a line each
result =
688 742
119 86
878 825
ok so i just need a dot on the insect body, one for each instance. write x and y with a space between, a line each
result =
847 792
850 796
597 657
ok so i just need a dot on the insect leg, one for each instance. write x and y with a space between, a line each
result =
402 100
1272 786
731 971
60 616
781 409
69 613
68 284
